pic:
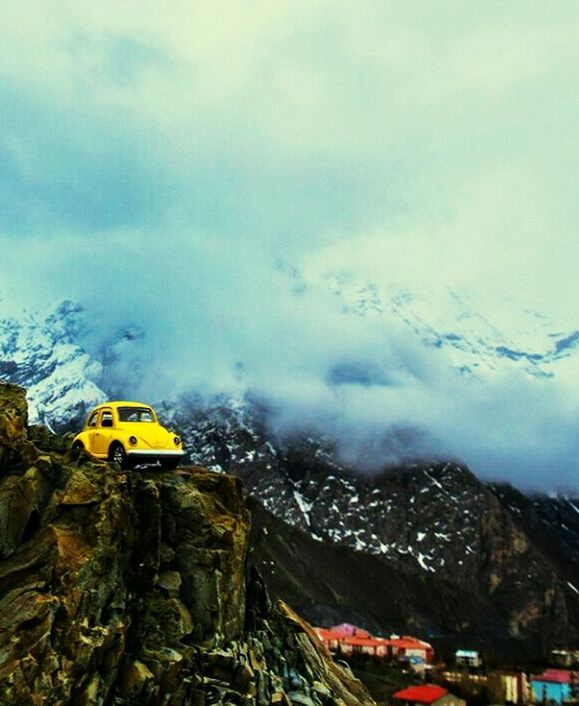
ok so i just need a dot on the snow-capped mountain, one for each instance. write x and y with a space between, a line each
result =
395 514
478 334
475 335
435 520
44 356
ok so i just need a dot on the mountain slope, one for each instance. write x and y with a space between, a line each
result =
329 584
435 523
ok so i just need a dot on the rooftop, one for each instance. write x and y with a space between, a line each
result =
426 694
557 676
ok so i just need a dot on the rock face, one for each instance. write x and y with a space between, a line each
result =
120 588
329 583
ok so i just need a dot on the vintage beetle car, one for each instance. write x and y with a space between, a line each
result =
128 433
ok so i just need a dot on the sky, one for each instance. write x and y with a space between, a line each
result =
173 167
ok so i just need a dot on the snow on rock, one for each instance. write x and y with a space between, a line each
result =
42 355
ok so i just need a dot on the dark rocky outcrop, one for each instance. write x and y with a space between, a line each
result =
133 588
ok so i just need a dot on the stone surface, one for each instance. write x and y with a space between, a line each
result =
13 422
133 588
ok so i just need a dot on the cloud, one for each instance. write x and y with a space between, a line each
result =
158 166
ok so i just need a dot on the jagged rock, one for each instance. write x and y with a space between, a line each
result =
131 588
171 581
47 440
13 422
13 414
136 677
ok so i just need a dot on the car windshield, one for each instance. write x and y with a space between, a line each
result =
135 414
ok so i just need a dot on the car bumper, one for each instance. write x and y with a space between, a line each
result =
155 453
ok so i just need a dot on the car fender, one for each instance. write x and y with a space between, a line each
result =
83 437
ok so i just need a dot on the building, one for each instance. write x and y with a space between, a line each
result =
348 630
427 695
373 647
409 649
348 640
553 685
508 687
467 658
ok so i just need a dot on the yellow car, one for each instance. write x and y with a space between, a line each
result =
128 433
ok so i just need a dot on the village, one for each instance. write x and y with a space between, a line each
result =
411 664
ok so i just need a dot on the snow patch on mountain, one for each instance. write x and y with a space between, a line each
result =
479 335
41 354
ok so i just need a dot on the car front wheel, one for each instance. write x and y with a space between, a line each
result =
118 455
169 464
76 450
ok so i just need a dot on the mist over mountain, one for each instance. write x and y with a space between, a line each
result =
295 199
400 376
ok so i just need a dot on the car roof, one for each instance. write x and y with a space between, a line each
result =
123 403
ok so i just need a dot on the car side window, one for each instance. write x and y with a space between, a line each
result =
92 422
107 419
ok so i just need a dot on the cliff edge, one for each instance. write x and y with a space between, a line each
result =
133 588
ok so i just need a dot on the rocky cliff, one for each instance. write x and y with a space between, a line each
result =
133 588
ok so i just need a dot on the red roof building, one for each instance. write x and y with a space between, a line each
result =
348 639
429 695
347 630
556 676
426 694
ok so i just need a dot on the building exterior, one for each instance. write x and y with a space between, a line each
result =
406 648
349 640
554 685
427 695
348 630
467 658
516 687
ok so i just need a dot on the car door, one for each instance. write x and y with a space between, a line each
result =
103 432
91 428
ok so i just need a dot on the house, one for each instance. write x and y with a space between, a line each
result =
373 647
467 658
515 686
330 639
348 630
427 695
508 687
553 685
411 649
348 639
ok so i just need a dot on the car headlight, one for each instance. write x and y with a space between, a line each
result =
177 441
132 440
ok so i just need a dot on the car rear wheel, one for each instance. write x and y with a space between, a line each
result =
117 455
